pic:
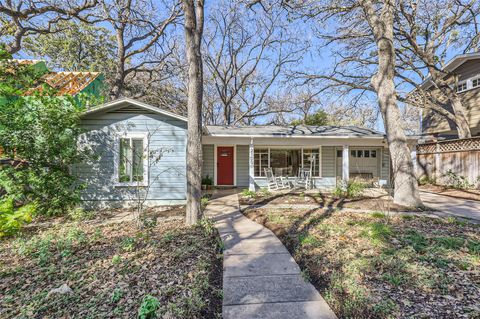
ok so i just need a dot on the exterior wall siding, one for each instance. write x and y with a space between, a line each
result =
208 160
435 123
385 169
167 180
328 161
242 165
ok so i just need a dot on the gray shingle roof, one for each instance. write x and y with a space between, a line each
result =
297 131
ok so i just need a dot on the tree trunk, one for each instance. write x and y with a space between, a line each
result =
461 122
119 79
405 184
193 34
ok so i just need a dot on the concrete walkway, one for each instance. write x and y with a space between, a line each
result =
260 278
452 206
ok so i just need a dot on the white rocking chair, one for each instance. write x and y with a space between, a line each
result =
272 183
304 179
275 183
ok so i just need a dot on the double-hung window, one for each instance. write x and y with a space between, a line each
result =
131 164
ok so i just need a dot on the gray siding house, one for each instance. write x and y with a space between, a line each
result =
139 147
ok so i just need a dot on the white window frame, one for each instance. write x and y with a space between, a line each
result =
473 79
269 148
132 135
462 83
468 82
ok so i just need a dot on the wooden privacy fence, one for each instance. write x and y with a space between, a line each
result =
460 156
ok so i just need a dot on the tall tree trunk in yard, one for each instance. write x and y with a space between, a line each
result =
405 184
463 128
194 17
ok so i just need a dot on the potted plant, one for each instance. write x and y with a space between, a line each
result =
207 182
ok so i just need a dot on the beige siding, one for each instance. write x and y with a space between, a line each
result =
435 123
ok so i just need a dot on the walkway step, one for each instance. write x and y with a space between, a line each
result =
284 310
236 246
262 289
259 265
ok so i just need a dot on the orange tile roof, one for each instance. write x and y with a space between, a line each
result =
67 83
25 62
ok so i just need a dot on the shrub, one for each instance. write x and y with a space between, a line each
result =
204 202
42 132
248 193
149 307
12 219
457 181
79 214
353 189
207 226
424 180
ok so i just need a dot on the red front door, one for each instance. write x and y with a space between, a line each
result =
225 165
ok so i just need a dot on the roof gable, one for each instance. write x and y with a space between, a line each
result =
128 105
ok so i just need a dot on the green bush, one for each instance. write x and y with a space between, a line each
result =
149 307
12 219
424 180
353 189
41 131
248 193
457 181
204 202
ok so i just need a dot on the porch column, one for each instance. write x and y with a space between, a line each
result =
251 167
345 164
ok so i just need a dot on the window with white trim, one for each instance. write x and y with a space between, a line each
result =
261 161
132 160
476 82
286 161
461 87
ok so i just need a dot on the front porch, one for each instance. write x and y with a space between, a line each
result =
242 163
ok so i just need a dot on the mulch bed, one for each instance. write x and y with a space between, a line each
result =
110 269
377 203
472 194
383 266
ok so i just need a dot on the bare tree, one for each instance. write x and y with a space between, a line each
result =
194 21
360 35
20 18
246 55
426 31
143 43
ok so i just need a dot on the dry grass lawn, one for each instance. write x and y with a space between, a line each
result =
380 266
112 270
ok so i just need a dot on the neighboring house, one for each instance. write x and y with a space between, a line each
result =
65 83
464 73
75 84
124 132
